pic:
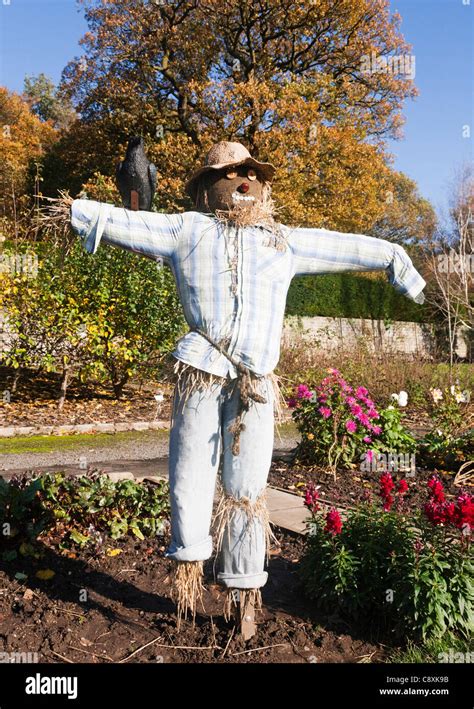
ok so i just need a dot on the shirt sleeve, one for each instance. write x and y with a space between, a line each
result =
318 251
148 233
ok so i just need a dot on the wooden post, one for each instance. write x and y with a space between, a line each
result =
247 620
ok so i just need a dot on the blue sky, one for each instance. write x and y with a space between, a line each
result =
42 36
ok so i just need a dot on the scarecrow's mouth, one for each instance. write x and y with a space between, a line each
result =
237 198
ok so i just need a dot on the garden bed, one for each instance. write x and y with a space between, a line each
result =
129 606
35 403
354 486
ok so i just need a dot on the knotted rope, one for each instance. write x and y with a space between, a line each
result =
247 392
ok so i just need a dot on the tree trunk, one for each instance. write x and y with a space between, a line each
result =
64 383
15 380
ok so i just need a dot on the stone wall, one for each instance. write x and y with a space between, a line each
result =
345 333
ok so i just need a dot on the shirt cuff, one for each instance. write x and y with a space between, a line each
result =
88 219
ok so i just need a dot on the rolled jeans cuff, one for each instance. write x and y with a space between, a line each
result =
242 581
195 552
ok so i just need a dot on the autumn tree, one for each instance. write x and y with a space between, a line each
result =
288 79
24 139
41 95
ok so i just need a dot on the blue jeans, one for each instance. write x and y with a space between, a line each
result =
198 439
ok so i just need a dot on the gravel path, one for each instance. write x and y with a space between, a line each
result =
145 451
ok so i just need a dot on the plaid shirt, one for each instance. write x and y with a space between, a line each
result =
231 284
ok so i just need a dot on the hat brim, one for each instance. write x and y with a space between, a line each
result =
265 168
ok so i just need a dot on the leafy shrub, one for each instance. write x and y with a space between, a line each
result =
449 443
339 423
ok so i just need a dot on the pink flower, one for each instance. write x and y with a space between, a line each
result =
361 392
363 418
333 522
302 391
376 430
351 426
325 411
356 410
373 414
369 455
351 401
367 439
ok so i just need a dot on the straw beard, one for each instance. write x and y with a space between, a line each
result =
261 212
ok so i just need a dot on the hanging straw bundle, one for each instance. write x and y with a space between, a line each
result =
55 220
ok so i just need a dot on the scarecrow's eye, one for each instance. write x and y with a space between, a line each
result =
251 174
231 174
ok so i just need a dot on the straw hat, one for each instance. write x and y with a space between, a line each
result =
226 154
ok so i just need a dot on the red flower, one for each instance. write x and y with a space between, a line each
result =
436 489
333 522
386 487
402 487
311 497
434 512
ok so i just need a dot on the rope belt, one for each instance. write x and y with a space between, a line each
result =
247 392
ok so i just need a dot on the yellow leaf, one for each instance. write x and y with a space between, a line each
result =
45 574
113 552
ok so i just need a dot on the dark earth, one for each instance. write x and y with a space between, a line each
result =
129 611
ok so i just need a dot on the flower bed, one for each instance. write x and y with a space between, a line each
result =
413 573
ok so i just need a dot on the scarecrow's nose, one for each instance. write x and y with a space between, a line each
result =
244 187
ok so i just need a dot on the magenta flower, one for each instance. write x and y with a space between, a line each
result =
351 426
361 392
367 439
292 402
356 410
325 411
302 391
363 418
376 430
373 414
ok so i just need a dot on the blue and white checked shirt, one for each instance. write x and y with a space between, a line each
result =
198 248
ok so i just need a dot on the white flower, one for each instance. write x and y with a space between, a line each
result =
437 395
159 397
463 397
401 398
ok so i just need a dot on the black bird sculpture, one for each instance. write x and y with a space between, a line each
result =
136 177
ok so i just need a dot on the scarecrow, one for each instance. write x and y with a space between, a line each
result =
233 263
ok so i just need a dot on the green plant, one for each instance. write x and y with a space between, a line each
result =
449 443
394 437
76 509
